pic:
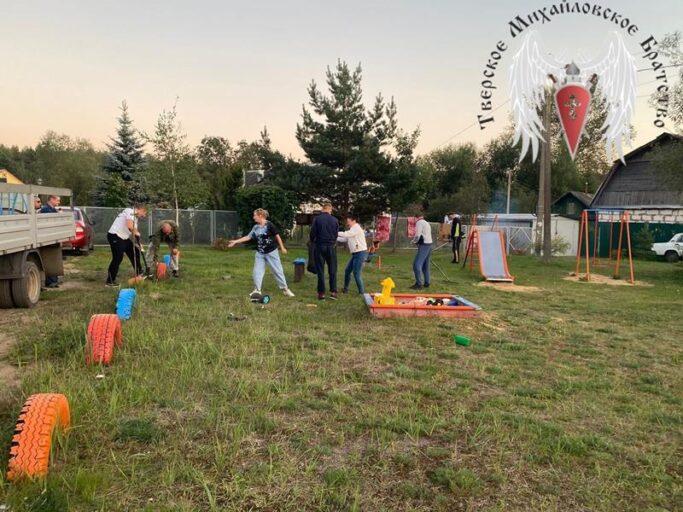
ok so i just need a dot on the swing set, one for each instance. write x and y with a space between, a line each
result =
613 215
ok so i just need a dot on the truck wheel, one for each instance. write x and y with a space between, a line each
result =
26 291
41 415
671 256
6 300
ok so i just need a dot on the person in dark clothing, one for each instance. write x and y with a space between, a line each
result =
456 237
324 239
50 207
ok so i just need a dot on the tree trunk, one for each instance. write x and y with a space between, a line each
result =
175 194
547 190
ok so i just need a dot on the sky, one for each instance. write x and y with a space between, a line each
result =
236 67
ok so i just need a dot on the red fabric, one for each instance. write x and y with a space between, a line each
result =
411 226
382 228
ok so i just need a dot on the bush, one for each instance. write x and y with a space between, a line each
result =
642 242
280 204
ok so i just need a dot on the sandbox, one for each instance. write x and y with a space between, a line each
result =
415 305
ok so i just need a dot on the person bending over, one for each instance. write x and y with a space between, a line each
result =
267 239
354 237
121 238
168 233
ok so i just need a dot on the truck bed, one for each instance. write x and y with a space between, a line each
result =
21 228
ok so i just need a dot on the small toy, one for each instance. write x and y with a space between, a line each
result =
462 340
385 298
259 298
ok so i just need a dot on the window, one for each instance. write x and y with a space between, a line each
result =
571 208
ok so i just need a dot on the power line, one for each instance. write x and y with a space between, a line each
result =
470 126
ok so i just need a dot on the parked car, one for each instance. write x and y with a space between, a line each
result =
84 240
671 250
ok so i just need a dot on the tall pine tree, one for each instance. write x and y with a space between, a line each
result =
360 159
122 180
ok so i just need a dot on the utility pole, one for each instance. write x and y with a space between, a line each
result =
545 172
507 208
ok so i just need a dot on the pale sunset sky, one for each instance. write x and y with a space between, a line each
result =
237 66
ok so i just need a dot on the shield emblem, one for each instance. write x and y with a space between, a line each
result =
573 101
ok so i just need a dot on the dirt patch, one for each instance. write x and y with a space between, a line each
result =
600 279
510 287
70 285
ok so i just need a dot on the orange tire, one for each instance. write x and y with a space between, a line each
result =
104 332
161 270
41 415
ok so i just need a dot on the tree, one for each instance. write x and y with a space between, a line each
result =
121 183
61 161
170 148
279 203
358 158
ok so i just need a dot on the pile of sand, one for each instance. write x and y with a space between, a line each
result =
600 279
509 287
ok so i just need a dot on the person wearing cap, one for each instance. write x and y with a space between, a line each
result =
456 237
323 236
121 237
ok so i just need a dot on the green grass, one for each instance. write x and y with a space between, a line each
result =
568 399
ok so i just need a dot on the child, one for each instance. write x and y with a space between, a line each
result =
267 241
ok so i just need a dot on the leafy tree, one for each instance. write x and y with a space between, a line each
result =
358 158
671 47
280 204
61 161
668 160
169 149
186 190
121 182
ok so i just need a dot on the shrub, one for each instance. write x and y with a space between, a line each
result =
279 203
642 242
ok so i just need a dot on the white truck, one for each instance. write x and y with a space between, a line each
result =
30 243
671 250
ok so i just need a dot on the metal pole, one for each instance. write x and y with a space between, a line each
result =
507 208
545 155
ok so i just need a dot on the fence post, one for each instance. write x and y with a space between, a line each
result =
212 236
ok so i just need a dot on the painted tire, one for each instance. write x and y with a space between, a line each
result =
104 332
40 416
125 303
161 271
167 260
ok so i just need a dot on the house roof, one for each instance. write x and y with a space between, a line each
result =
9 177
583 197
618 164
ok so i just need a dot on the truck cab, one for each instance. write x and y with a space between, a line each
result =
30 243
672 250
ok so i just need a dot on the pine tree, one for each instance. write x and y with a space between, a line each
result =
121 183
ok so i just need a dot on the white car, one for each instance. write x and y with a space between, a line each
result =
671 250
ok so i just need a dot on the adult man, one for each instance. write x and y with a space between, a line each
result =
456 237
323 236
50 207
37 204
423 239
166 232
121 236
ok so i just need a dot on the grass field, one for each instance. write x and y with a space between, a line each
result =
569 398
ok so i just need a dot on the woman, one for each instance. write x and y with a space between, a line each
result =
423 239
121 237
267 240
354 237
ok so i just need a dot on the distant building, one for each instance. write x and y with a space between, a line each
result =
639 188
8 177
253 177
571 204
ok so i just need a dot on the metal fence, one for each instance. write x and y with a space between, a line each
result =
518 239
203 227
197 227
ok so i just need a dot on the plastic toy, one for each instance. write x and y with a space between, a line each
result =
385 298
462 340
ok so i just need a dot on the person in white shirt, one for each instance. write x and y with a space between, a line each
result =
121 238
423 239
354 237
